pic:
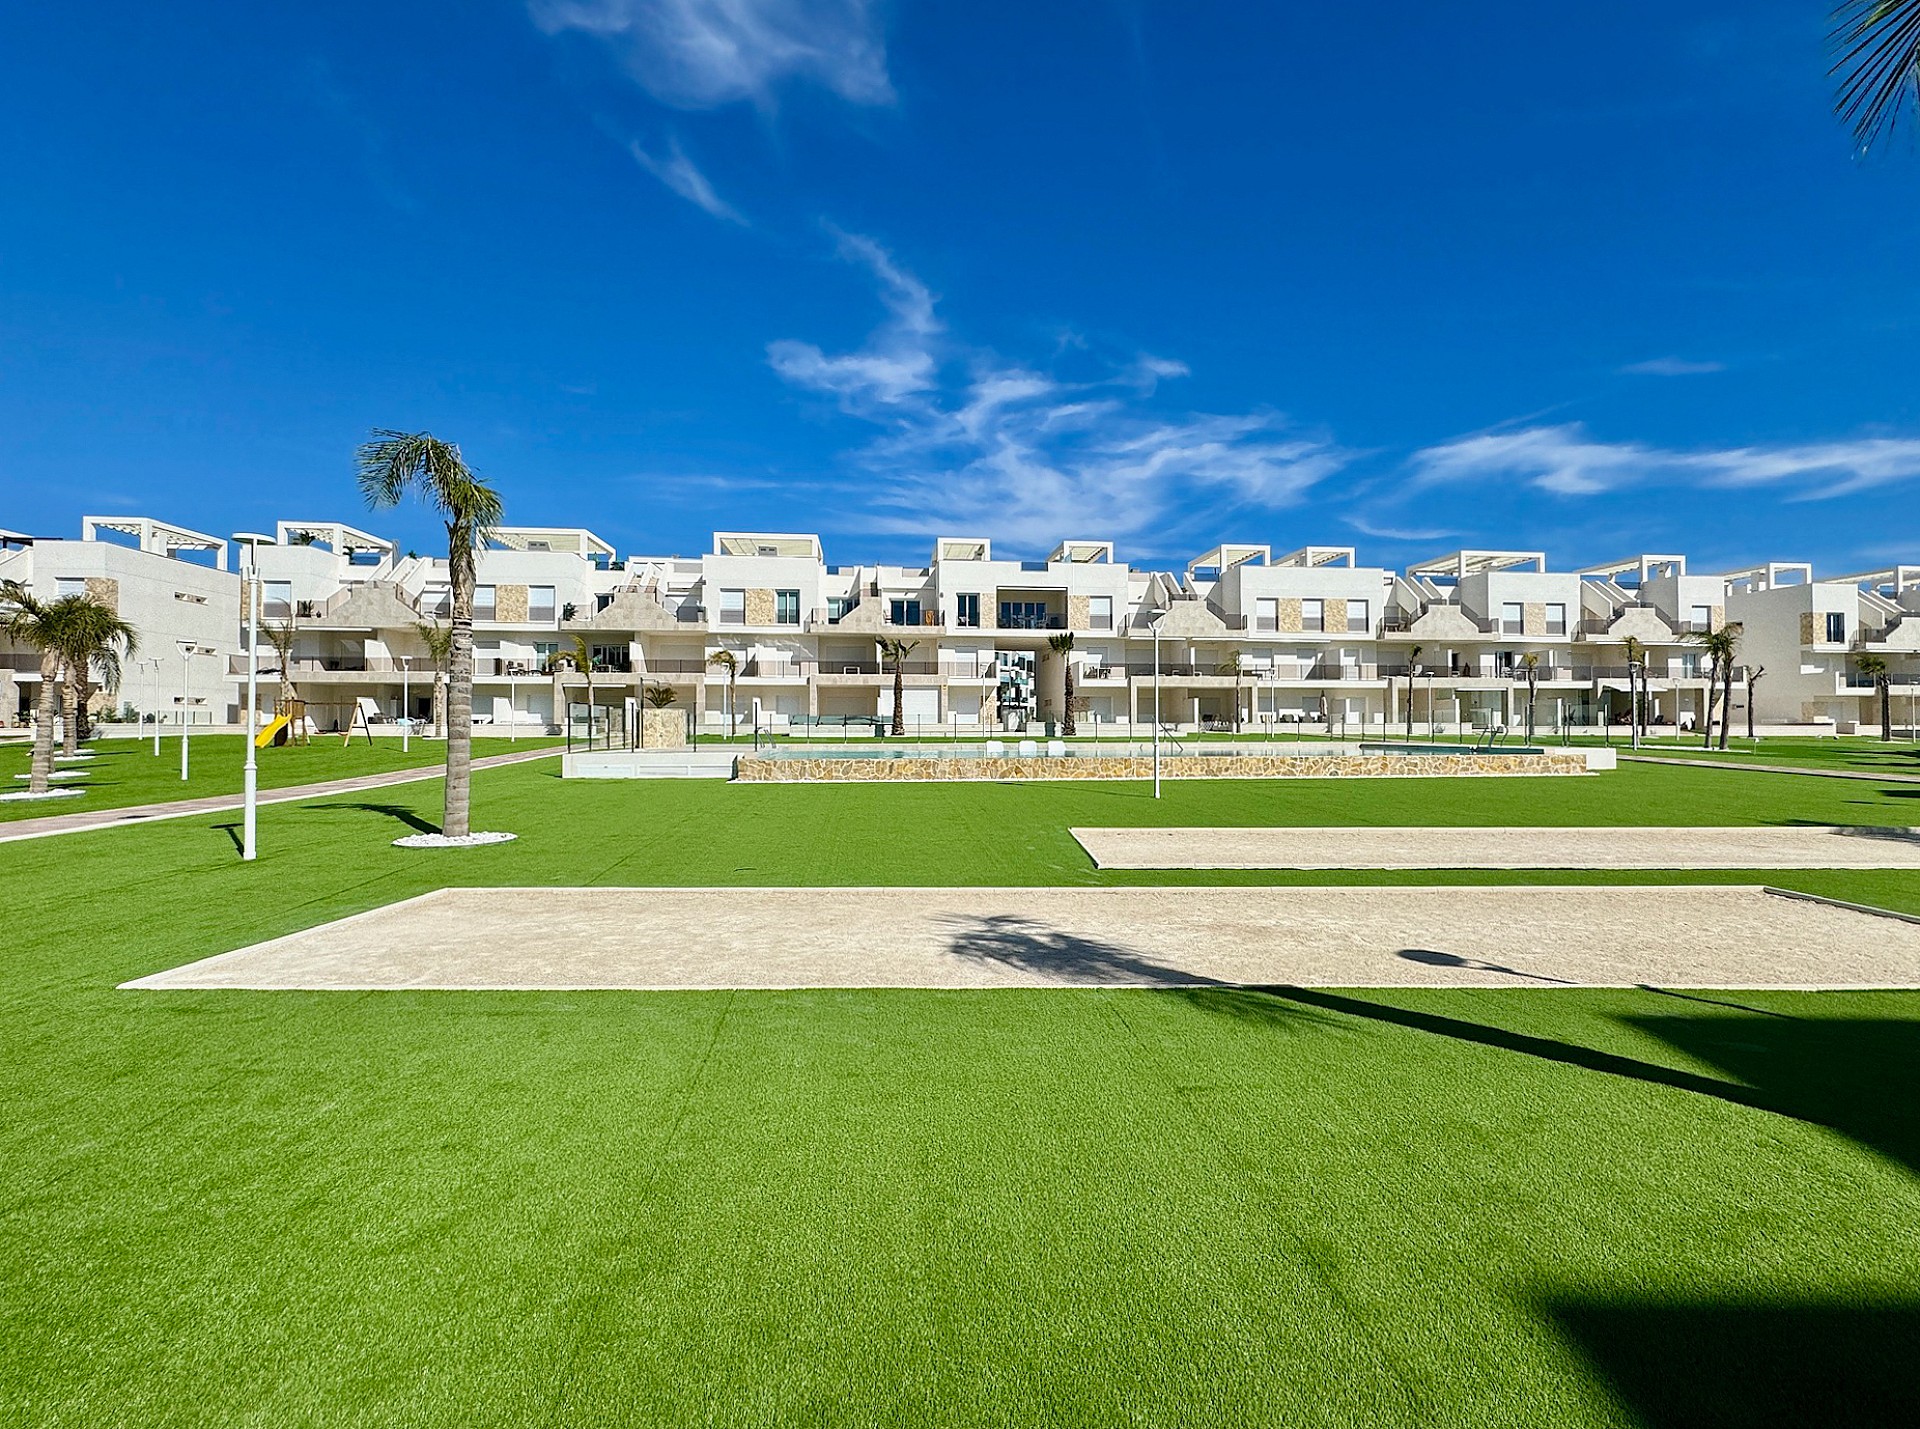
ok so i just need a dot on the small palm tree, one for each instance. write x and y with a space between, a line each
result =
660 697
280 635
92 637
1413 666
1530 672
1878 64
730 662
581 658
895 651
438 639
1754 673
1874 667
390 465
1062 646
1721 646
31 622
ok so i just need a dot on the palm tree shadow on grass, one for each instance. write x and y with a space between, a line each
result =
411 818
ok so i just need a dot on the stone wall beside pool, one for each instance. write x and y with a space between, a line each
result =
760 769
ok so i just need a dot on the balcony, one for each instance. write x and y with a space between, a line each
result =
1017 621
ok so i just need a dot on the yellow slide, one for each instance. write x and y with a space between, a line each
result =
267 735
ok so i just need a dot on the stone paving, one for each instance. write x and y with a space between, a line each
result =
1793 846
707 938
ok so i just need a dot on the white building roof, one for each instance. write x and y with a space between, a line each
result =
1474 563
570 540
766 543
159 538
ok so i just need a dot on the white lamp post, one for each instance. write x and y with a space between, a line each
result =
1156 709
406 702
186 655
158 691
250 772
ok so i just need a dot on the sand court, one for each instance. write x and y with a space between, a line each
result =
712 938
1612 847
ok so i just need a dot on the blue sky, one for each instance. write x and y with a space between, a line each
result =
1404 276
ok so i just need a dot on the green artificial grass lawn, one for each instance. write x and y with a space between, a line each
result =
1017 1207
124 772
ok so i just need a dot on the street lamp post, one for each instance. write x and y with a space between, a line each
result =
159 682
186 656
250 776
406 702
1156 709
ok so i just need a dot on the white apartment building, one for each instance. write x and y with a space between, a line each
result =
172 584
1245 639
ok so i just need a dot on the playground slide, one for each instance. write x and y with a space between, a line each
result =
267 735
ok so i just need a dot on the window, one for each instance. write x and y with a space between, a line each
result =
837 607
1556 620
1513 618
733 607
1100 612
1503 661
786 607
1357 613
437 600
69 585
1025 615
1313 615
903 612
1700 617
1836 628
1266 614
276 600
1690 665
483 606
539 604
545 652
966 610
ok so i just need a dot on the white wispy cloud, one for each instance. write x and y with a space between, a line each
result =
679 173
1672 367
1566 461
700 54
972 441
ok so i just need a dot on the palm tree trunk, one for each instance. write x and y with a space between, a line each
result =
1713 691
1750 684
899 699
1066 725
70 732
439 704
460 699
1886 708
40 773
1410 707
1726 702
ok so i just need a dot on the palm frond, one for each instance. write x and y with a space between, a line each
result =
1877 43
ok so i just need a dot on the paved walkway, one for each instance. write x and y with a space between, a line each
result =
1609 847
84 819
706 938
1773 769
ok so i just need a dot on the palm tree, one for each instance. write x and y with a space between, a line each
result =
438 639
1530 672
1062 646
1636 654
1753 678
1874 667
1878 68
1721 646
730 662
1413 664
91 637
280 636
895 651
389 465
660 697
581 658
30 622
